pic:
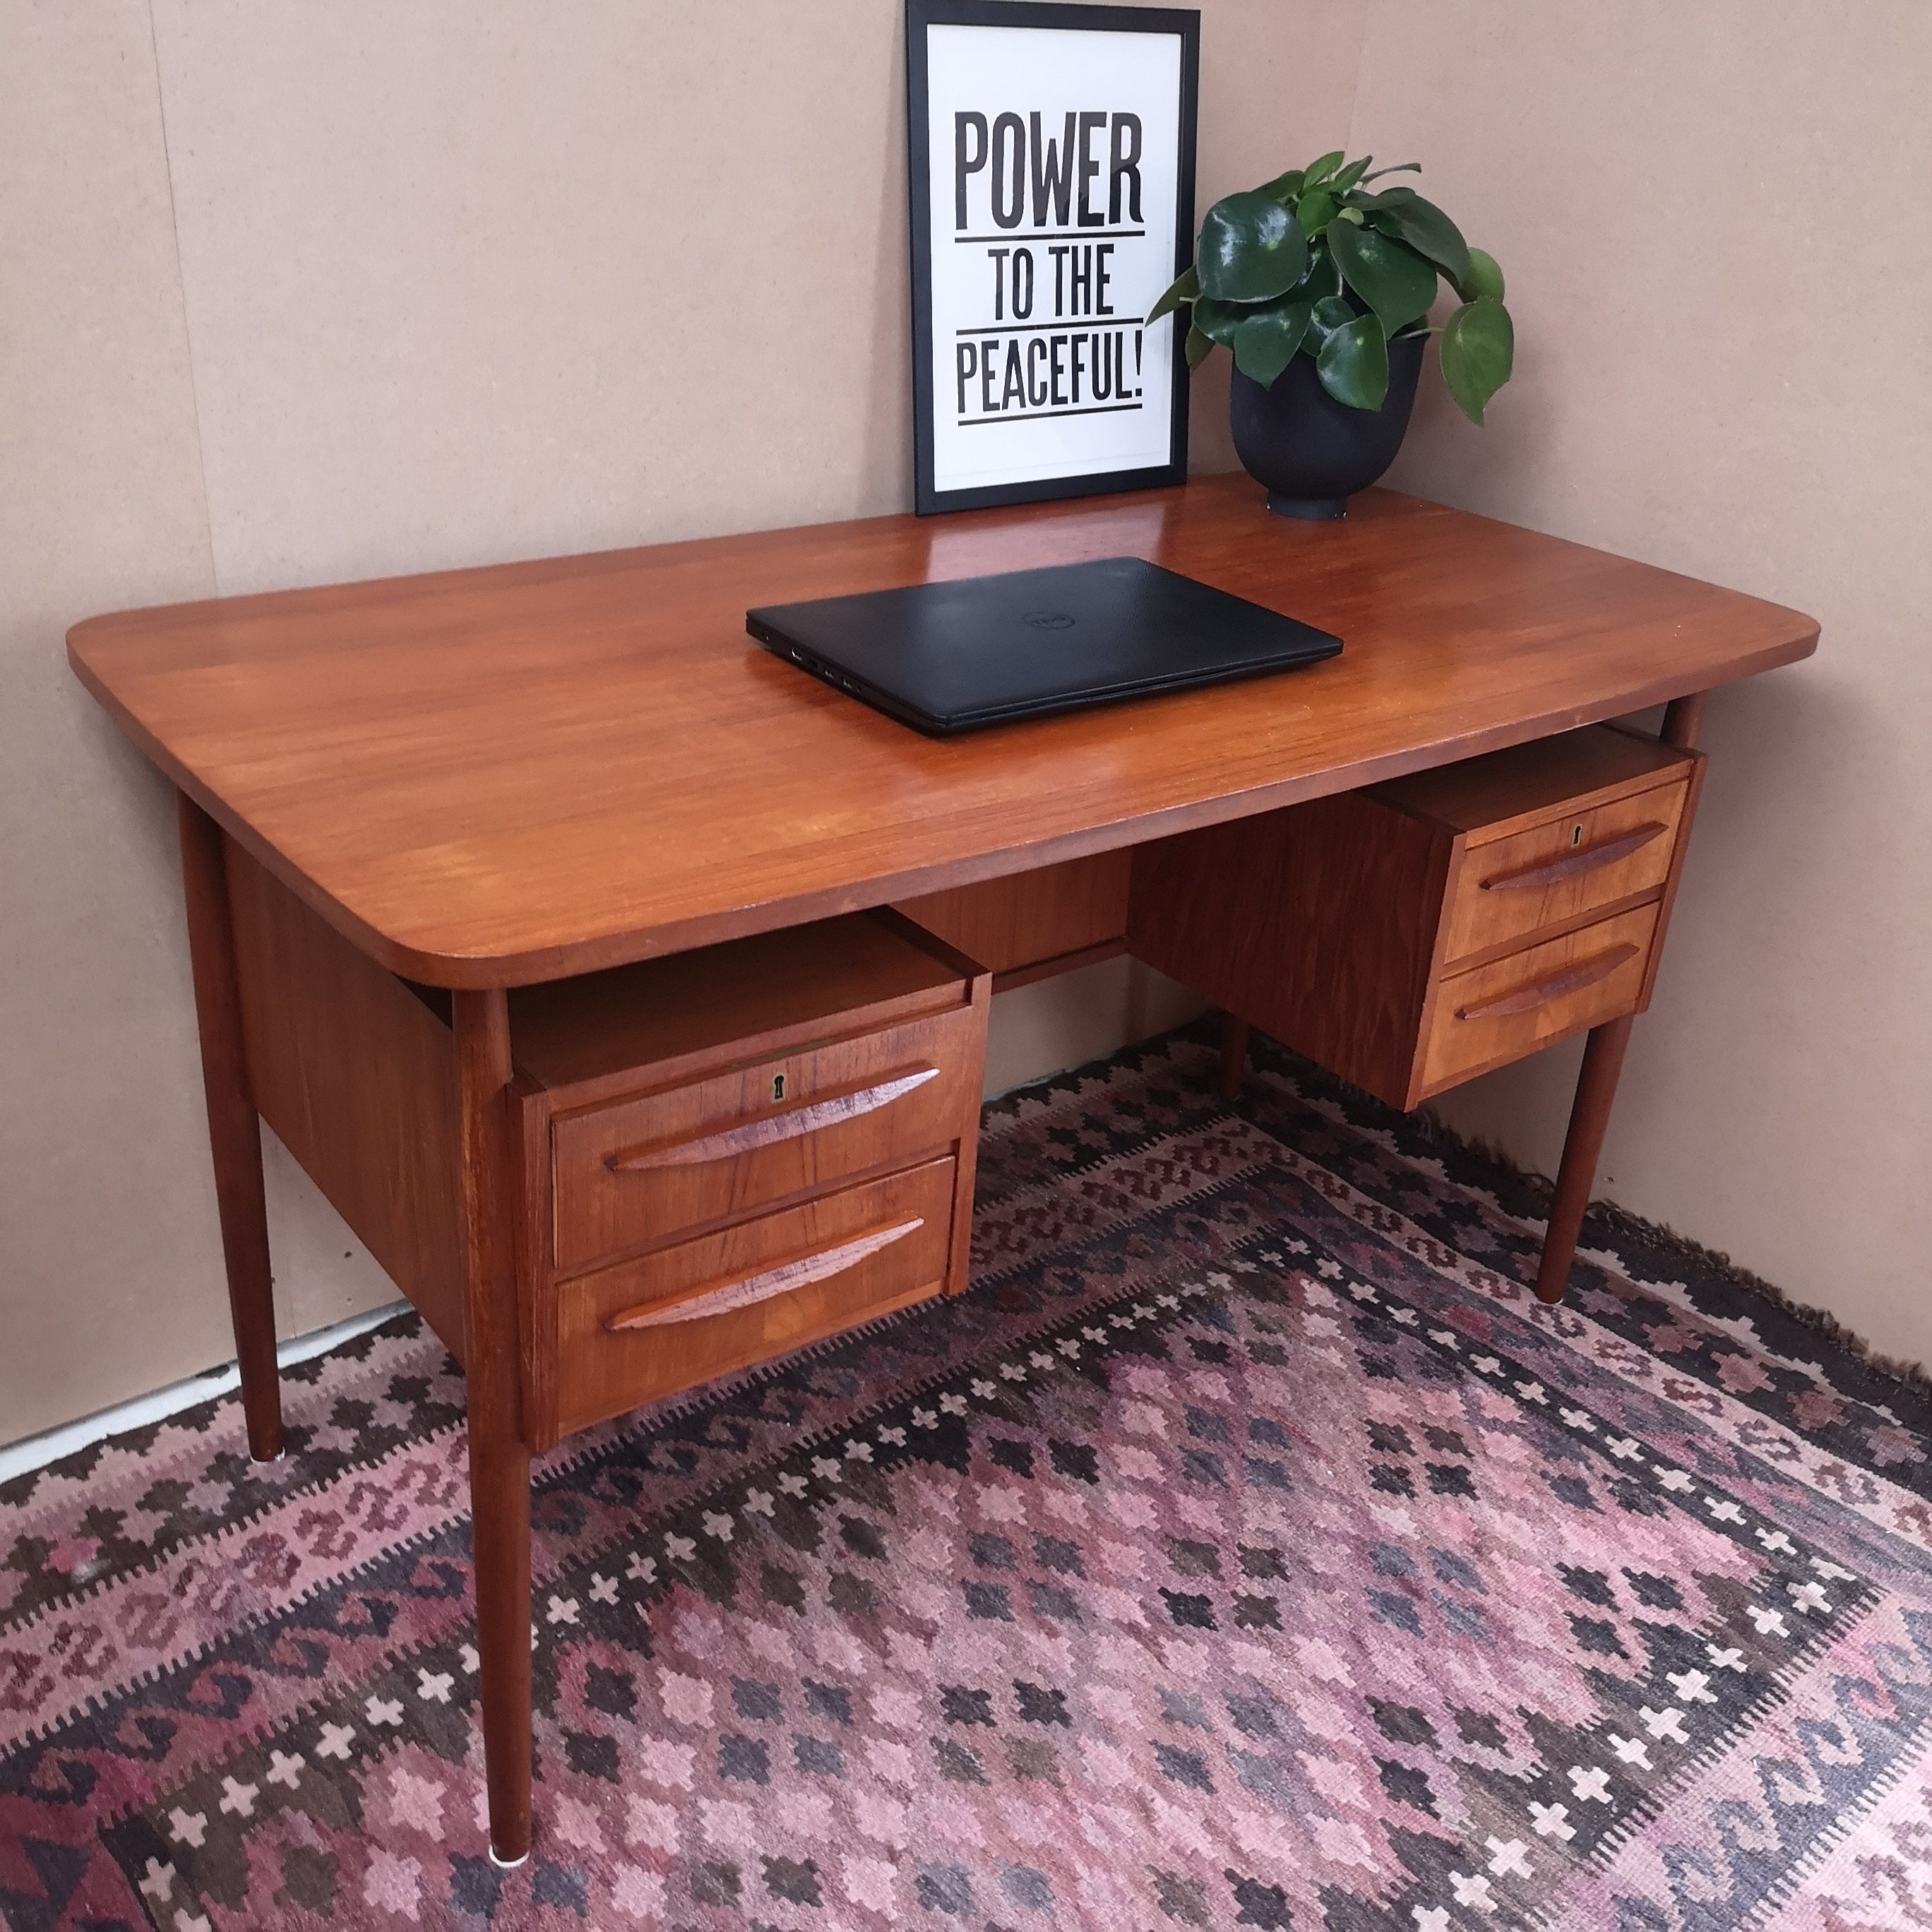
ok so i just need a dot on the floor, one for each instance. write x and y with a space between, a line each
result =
1247 1548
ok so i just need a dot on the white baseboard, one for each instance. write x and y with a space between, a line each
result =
35 1452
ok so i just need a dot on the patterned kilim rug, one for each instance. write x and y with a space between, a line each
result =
1248 1549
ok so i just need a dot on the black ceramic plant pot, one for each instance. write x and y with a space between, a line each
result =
1313 452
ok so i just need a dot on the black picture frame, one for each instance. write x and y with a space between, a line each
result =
1182 22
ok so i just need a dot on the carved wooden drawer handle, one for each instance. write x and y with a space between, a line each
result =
761 1287
773 1128
1572 865
1571 979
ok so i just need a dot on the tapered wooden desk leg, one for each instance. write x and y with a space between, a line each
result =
1684 720
234 1129
1596 1084
499 1463
1233 1055
1589 1115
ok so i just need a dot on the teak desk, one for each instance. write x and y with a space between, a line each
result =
401 800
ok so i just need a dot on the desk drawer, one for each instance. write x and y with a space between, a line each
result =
650 1328
1525 1000
632 1173
1564 869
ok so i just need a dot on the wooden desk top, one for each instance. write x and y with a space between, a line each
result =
491 777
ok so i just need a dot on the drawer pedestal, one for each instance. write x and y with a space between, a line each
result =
1413 935
785 1150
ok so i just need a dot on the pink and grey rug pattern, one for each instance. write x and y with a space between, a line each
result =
1247 1549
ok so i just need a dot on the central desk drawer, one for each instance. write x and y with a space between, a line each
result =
635 1173
1564 869
648 1328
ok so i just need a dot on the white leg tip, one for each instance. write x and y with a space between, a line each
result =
507 1864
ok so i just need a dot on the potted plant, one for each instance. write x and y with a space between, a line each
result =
1320 286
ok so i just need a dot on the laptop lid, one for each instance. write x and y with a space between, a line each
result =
1028 643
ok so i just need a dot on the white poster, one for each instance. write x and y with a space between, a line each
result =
1053 166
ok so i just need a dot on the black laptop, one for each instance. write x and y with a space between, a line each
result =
948 657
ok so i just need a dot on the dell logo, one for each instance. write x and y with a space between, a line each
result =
1048 620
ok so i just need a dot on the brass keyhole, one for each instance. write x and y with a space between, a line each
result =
1577 833
777 1088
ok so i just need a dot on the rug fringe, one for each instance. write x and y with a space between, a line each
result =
1533 1192
1623 1224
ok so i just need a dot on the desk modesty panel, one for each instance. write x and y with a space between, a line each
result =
492 777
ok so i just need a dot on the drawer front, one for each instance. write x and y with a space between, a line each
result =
1564 869
640 1170
1514 1005
648 1328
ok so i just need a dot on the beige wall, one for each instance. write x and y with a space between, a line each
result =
1720 264
307 292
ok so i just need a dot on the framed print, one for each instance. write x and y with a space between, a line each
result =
1052 201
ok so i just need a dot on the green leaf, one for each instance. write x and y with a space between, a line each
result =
1321 170
1422 226
1394 281
1219 320
1484 278
1265 343
1353 364
1383 198
1330 313
1322 278
1283 187
1198 348
1315 211
1478 351
1186 288
1349 175
1400 168
1251 251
